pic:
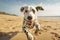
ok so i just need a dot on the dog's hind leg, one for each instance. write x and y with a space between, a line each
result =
28 34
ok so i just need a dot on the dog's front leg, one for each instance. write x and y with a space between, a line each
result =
28 34
37 27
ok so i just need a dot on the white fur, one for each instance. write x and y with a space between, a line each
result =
34 21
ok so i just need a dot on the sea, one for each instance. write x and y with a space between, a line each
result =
48 16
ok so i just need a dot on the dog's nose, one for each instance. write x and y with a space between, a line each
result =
29 17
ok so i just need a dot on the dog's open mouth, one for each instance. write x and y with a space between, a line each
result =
29 22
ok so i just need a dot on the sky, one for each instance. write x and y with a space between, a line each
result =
51 7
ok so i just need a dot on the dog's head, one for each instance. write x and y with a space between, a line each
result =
29 12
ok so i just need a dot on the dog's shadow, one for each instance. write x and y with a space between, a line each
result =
8 35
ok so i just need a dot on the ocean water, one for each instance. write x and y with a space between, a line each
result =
48 16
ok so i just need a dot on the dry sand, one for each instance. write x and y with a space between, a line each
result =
11 28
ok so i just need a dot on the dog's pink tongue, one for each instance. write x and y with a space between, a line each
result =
29 22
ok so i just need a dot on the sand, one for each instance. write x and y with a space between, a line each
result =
11 28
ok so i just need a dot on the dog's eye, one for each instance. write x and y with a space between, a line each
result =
33 11
26 11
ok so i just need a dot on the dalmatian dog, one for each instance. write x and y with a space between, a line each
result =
30 20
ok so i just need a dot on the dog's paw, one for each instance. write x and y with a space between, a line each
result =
36 33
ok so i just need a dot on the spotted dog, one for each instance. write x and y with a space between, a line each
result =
30 20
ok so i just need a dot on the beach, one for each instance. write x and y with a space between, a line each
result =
11 28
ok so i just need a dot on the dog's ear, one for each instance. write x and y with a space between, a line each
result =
39 8
22 8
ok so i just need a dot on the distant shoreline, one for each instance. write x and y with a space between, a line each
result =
48 16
